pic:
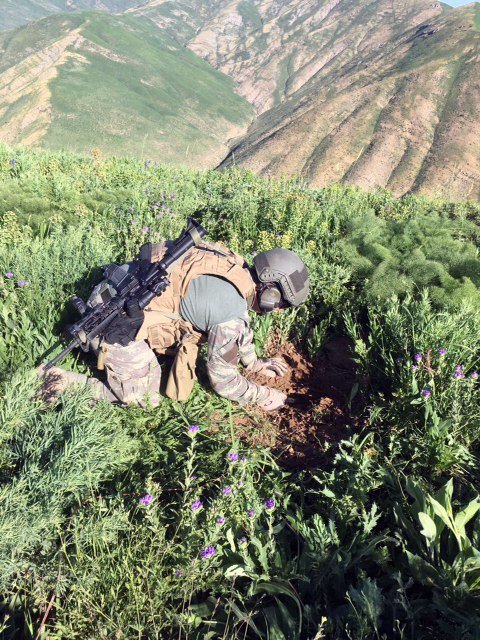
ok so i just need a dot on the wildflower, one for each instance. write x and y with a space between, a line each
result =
193 428
414 367
242 540
146 500
427 393
442 352
133 221
241 483
9 275
458 372
418 357
227 491
145 229
251 513
233 457
148 163
269 504
220 520
12 162
243 459
178 573
22 283
208 552
474 375
198 504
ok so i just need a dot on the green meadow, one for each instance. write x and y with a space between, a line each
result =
177 522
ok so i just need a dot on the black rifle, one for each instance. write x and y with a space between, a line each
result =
134 292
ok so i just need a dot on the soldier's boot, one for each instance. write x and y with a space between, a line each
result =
56 381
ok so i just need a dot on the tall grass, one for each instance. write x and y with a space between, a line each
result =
129 523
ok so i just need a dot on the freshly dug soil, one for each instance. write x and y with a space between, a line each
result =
317 413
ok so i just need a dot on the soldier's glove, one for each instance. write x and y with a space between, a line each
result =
270 367
274 400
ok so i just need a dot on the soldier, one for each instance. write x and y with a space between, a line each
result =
210 293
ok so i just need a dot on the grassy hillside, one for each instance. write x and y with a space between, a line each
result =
14 13
117 84
353 514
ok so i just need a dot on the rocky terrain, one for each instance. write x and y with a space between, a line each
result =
379 93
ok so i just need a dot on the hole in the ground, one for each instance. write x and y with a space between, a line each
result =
318 413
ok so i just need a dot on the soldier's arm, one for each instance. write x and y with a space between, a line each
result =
246 348
223 356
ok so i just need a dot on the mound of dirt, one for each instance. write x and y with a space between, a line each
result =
317 411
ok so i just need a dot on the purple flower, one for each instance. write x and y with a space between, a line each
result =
227 491
418 357
22 283
198 504
9 275
243 459
146 500
193 428
148 163
220 520
133 221
241 483
12 162
269 504
427 393
178 573
414 367
242 540
458 367
459 374
145 229
251 513
233 457
208 552
442 352
474 375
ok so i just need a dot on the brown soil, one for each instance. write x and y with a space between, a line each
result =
317 414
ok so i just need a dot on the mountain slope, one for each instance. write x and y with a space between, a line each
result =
95 80
403 114
14 13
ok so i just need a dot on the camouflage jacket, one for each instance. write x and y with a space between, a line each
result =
230 343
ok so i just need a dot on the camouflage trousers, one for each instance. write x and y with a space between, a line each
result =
132 369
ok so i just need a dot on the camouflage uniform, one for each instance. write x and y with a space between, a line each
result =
228 344
133 372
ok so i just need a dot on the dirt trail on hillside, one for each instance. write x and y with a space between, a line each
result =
317 414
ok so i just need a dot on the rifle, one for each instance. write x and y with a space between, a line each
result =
134 292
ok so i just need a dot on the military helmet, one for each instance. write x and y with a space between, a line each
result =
287 270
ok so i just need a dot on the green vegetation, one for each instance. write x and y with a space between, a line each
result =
124 523
128 88
249 12
14 14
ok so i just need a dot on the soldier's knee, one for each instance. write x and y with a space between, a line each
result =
133 373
